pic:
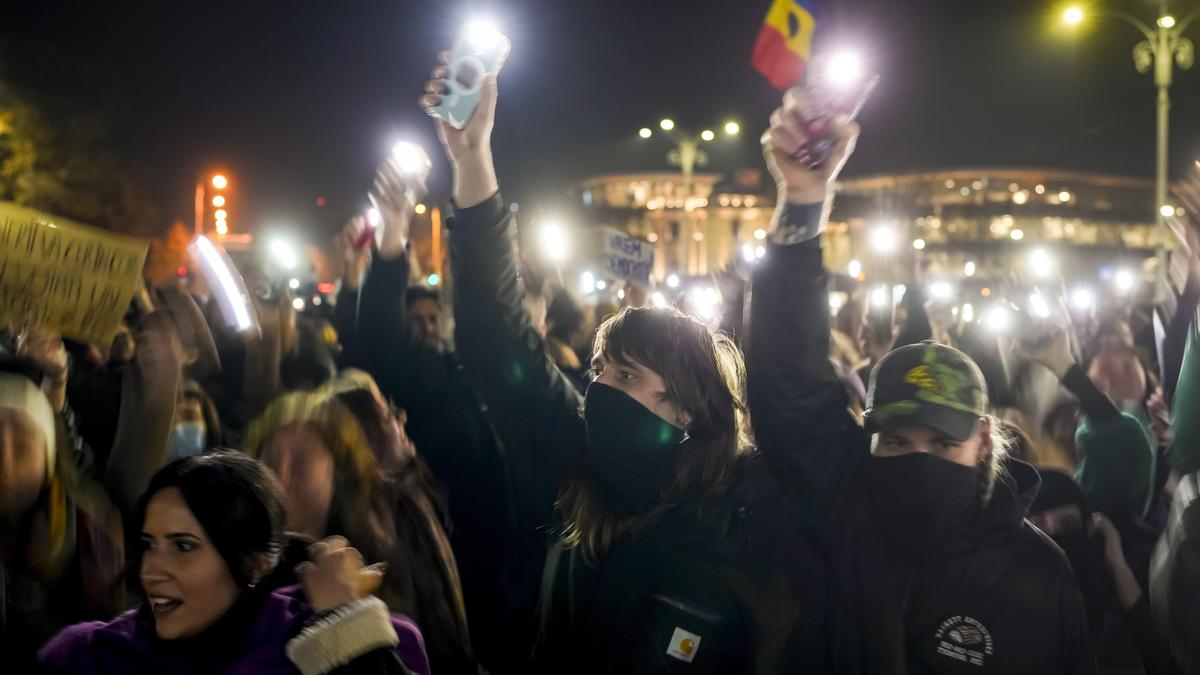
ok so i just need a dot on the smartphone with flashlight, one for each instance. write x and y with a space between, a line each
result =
371 222
479 50
881 317
830 99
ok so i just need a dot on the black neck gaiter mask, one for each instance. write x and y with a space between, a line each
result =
922 503
631 452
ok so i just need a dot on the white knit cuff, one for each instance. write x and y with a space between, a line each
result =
347 633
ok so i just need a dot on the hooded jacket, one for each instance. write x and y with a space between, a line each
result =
1001 599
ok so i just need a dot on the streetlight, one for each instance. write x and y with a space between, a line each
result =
1163 48
687 154
204 184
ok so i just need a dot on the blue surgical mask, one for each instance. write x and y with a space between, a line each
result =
187 439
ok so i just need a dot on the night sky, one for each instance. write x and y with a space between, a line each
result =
300 99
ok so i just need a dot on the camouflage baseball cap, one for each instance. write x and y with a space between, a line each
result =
930 384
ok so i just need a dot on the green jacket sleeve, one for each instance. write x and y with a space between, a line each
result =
1117 465
532 405
1184 453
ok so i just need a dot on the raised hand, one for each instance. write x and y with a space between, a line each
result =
394 195
469 148
784 142
1053 351
335 575
355 258
45 348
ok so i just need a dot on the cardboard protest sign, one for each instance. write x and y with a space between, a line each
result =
65 275
627 258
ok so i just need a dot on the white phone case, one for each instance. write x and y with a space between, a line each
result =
469 62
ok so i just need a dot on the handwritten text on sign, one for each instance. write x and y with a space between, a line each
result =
628 258
64 275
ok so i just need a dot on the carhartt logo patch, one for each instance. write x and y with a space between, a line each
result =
684 645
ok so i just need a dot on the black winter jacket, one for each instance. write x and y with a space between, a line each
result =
1003 600
728 585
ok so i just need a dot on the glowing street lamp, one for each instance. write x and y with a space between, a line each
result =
220 182
732 128
667 124
1163 48
645 133
707 135
218 201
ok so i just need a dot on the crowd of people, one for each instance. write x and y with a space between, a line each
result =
645 493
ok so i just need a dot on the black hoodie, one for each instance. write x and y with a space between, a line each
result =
1001 599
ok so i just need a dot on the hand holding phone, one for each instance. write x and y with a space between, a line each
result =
829 102
399 184
479 50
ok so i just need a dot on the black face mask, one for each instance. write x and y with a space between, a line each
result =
922 502
631 452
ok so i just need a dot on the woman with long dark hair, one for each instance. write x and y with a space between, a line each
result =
666 551
211 529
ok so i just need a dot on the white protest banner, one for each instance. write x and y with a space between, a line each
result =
627 258
64 275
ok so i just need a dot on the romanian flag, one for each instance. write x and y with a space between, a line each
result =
785 43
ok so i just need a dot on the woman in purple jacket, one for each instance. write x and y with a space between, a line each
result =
211 531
